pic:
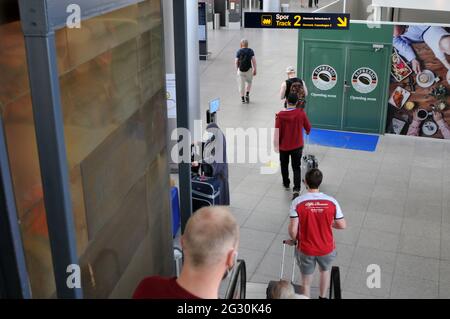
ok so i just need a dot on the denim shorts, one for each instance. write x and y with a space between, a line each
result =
308 263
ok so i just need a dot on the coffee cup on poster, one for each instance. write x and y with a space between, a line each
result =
424 78
422 114
325 77
364 79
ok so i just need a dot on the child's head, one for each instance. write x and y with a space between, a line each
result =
283 290
444 44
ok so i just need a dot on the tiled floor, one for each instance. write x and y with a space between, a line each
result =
396 200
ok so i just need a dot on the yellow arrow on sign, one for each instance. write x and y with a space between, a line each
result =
343 23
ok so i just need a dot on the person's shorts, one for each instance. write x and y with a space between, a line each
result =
246 77
308 263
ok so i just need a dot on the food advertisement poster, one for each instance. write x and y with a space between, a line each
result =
419 92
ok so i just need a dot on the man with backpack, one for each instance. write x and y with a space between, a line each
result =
246 69
293 85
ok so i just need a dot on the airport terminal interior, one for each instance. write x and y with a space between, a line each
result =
107 103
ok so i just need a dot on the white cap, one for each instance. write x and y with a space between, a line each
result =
290 69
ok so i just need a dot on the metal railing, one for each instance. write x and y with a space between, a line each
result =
335 285
238 284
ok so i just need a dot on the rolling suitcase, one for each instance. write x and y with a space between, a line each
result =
205 191
335 280
298 289
309 161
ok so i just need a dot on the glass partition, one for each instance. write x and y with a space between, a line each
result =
113 99
17 114
112 88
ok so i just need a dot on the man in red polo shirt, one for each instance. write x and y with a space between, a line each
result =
210 243
313 217
288 140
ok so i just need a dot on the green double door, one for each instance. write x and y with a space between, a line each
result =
347 85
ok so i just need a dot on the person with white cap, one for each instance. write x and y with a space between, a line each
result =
287 85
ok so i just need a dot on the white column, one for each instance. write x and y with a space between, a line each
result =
193 61
271 5
193 85
168 35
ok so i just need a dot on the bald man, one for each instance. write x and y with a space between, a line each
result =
210 243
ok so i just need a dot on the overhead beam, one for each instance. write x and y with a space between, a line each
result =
44 16
434 5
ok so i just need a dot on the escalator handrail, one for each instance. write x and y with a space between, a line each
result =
239 269
335 285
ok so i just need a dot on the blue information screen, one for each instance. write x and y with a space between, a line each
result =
214 105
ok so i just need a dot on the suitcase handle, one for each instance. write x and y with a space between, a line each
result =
306 144
288 242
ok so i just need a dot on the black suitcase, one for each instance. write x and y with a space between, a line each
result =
205 191
310 161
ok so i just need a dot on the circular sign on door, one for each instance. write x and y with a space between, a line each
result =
364 80
324 77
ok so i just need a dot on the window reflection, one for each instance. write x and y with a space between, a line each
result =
17 115
112 80
112 84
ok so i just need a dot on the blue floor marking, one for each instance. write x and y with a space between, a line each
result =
346 140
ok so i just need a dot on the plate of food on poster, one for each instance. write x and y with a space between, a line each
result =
419 103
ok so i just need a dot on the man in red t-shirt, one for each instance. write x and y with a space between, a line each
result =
288 140
313 217
210 243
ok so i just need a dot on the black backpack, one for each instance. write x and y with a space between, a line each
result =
245 61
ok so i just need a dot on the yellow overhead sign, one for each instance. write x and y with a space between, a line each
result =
285 20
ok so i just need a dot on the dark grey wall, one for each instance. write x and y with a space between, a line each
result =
236 14
220 7
209 10
9 11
